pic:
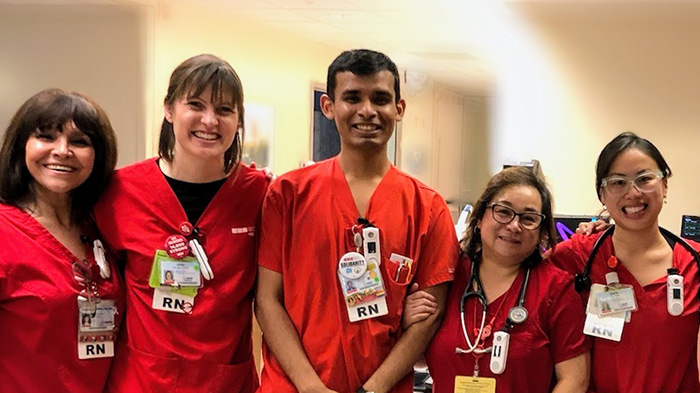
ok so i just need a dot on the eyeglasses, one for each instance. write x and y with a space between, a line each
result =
618 185
504 215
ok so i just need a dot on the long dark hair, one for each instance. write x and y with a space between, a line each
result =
51 109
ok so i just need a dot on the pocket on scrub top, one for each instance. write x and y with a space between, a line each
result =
141 370
236 378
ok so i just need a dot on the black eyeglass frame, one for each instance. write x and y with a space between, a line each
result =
516 214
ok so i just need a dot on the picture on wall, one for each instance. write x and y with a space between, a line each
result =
259 134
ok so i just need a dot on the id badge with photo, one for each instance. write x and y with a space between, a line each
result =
615 300
362 287
180 273
97 328
607 327
174 297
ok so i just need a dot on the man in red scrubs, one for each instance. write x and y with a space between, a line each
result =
330 295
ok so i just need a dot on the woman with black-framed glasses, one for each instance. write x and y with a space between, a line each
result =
511 323
653 347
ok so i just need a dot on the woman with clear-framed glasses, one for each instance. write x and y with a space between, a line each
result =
512 324
649 342
61 298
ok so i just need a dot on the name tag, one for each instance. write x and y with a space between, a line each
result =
474 385
373 309
95 350
170 301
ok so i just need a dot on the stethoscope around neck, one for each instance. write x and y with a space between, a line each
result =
582 281
517 315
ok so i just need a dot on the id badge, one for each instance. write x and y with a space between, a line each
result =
615 300
171 297
96 328
172 300
362 287
474 385
180 273
608 327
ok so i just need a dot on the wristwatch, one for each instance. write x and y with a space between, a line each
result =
362 390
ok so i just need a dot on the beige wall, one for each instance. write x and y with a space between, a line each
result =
277 70
605 69
92 49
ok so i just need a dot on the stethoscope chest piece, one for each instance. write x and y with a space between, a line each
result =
518 314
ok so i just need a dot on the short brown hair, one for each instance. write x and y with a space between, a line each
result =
52 108
190 79
510 177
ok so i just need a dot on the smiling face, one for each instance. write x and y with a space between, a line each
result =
510 243
59 159
204 128
634 210
365 109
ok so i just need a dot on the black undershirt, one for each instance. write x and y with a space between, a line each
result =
194 197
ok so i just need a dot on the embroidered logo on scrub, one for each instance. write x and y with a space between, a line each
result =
248 230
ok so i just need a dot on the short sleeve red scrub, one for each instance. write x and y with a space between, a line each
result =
39 311
209 350
658 352
307 221
552 333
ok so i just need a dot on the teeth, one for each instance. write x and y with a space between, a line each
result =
366 127
61 168
205 135
632 210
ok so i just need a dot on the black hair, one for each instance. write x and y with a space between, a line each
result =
622 142
361 62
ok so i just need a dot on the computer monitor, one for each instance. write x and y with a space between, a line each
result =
690 228
565 225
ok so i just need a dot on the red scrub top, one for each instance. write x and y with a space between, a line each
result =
658 352
39 311
209 350
307 221
552 333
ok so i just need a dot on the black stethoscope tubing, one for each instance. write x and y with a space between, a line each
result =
517 314
582 281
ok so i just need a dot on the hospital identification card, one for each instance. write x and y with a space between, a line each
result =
608 327
362 287
474 385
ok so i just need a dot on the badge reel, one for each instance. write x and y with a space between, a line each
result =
674 292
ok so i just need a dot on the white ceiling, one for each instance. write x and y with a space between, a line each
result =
455 41
429 36
420 35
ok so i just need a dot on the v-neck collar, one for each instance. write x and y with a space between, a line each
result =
172 205
382 195
38 231
626 277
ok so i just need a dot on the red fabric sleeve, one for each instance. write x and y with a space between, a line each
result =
566 319
272 233
571 255
439 248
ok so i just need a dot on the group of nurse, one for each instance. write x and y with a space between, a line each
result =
89 254
514 322
86 250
